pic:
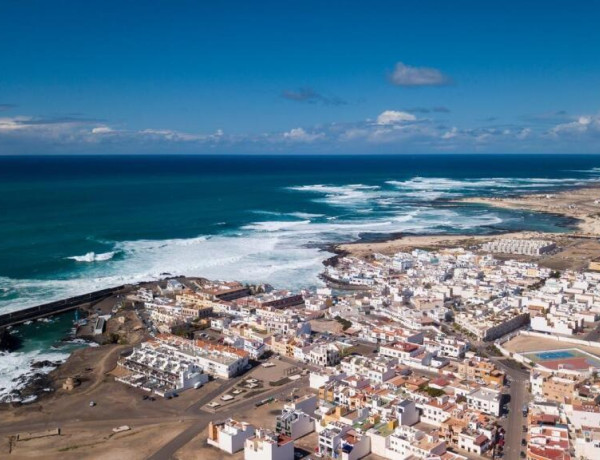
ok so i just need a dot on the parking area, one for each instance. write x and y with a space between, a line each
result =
264 377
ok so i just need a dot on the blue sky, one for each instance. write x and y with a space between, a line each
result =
299 76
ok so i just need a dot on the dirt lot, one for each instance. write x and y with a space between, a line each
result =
198 449
576 254
82 425
96 441
326 325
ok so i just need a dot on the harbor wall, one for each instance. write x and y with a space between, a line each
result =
58 306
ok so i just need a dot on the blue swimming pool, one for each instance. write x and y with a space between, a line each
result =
552 355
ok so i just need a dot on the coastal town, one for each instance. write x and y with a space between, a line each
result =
453 353
311 230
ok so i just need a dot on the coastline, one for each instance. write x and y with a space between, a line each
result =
93 367
577 203
580 203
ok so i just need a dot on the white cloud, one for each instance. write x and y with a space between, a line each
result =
524 133
170 135
300 135
102 130
584 124
391 131
405 75
14 123
390 117
451 133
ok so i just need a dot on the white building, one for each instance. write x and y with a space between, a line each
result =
294 423
330 438
406 412
230 435
554 324
354 446
324 355
266 445
515 246
485 400
473 442
405 442
155 368
378 370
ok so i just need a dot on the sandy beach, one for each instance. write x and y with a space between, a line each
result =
581 203
577 248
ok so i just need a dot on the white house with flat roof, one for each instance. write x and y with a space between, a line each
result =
267 445
485 400
229 435
294 423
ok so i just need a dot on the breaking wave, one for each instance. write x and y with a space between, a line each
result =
17 368
93 257
286 248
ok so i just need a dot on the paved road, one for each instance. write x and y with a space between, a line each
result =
519 395
593 335
167 451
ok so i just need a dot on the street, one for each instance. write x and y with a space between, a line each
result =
515 420
168 450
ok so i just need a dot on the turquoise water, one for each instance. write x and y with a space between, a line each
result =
73 224
69 225
49 339
49 331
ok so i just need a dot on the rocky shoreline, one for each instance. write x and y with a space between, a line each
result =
577 203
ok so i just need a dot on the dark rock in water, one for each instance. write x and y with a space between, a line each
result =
35 385
45 363
8 341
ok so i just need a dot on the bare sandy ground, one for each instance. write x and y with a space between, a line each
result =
198 449
98 442
580 203
577 248
408 243
86 432
524 344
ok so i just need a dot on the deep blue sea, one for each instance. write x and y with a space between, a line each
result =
72 224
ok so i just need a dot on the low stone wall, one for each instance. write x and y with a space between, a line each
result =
522 359
562 339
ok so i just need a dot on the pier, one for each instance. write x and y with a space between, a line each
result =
59 306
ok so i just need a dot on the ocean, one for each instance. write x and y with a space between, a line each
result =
73 224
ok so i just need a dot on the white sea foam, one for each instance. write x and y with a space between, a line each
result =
348 196
283 253
277 250
304 215
300 215
273 226
458 186
93 257
16 368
